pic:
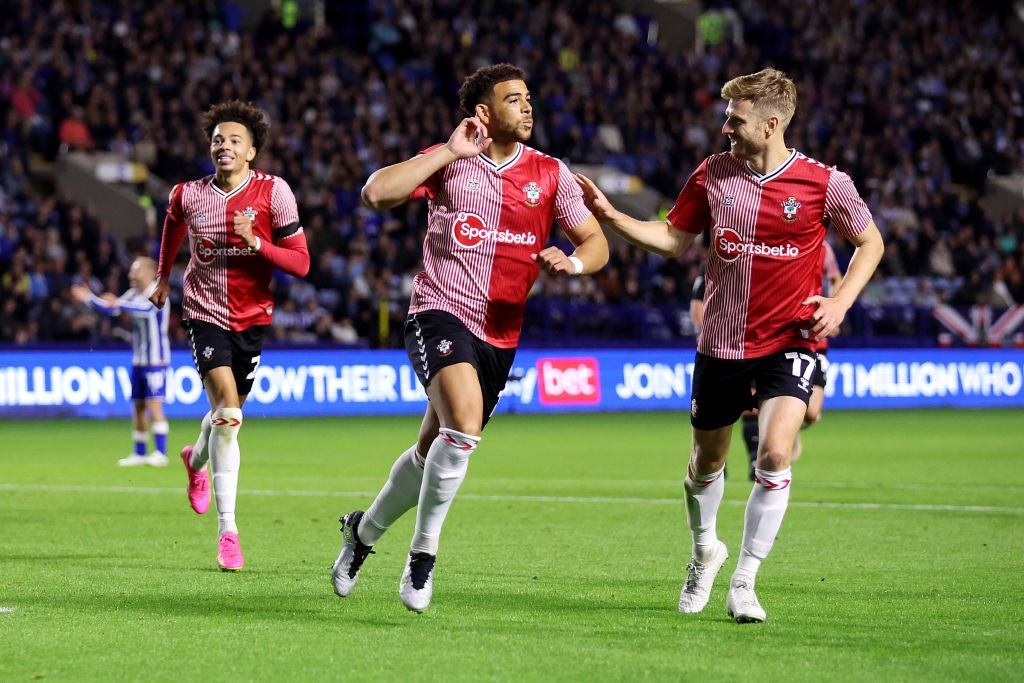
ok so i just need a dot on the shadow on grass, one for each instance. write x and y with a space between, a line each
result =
254 596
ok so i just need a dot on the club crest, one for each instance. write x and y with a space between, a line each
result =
250 213
208 353
789 208
532 191
444 348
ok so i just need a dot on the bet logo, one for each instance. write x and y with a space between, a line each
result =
470 230
728 244
206 250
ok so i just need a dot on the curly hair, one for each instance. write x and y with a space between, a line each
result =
479 88
237 111
770 91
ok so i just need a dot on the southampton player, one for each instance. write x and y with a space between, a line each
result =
241 225
767 208
151 354
491 204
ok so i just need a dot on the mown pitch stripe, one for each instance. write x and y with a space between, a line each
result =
591 500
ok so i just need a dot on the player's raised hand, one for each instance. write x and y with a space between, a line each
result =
594 198
469 139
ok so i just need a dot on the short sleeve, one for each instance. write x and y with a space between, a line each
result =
691 212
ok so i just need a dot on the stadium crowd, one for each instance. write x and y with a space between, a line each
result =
919 102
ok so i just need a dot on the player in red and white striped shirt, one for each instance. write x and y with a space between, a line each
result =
767 208
241 225
491 204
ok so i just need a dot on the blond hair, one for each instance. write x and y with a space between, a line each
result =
146 262
146 271
769 91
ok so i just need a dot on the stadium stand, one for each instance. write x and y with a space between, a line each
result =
921 103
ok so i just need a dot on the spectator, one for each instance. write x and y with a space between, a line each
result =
918 135
74 132
940 260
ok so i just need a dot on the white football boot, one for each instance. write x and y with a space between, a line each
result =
700 577
742 604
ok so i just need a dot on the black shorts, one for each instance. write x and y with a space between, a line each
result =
820 369
215 347
722 388
437 339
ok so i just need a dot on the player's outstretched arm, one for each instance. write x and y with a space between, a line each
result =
81 293
105 303
656 236
390 186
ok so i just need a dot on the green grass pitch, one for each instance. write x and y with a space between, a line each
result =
900 558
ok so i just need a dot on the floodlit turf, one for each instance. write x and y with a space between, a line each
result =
900 558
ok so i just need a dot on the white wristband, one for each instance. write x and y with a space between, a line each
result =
577 263
259 244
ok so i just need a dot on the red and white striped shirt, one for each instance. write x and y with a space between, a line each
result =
765 256
484 222
227 283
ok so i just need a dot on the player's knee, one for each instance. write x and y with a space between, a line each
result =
774 457
226 421
470 425
709 457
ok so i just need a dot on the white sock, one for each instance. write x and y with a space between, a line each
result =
398 495
201 451
447 463
703 496
224 461
766 507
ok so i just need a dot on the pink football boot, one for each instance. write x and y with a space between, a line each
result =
198 483
229 553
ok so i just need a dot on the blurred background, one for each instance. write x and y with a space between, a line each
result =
921 103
